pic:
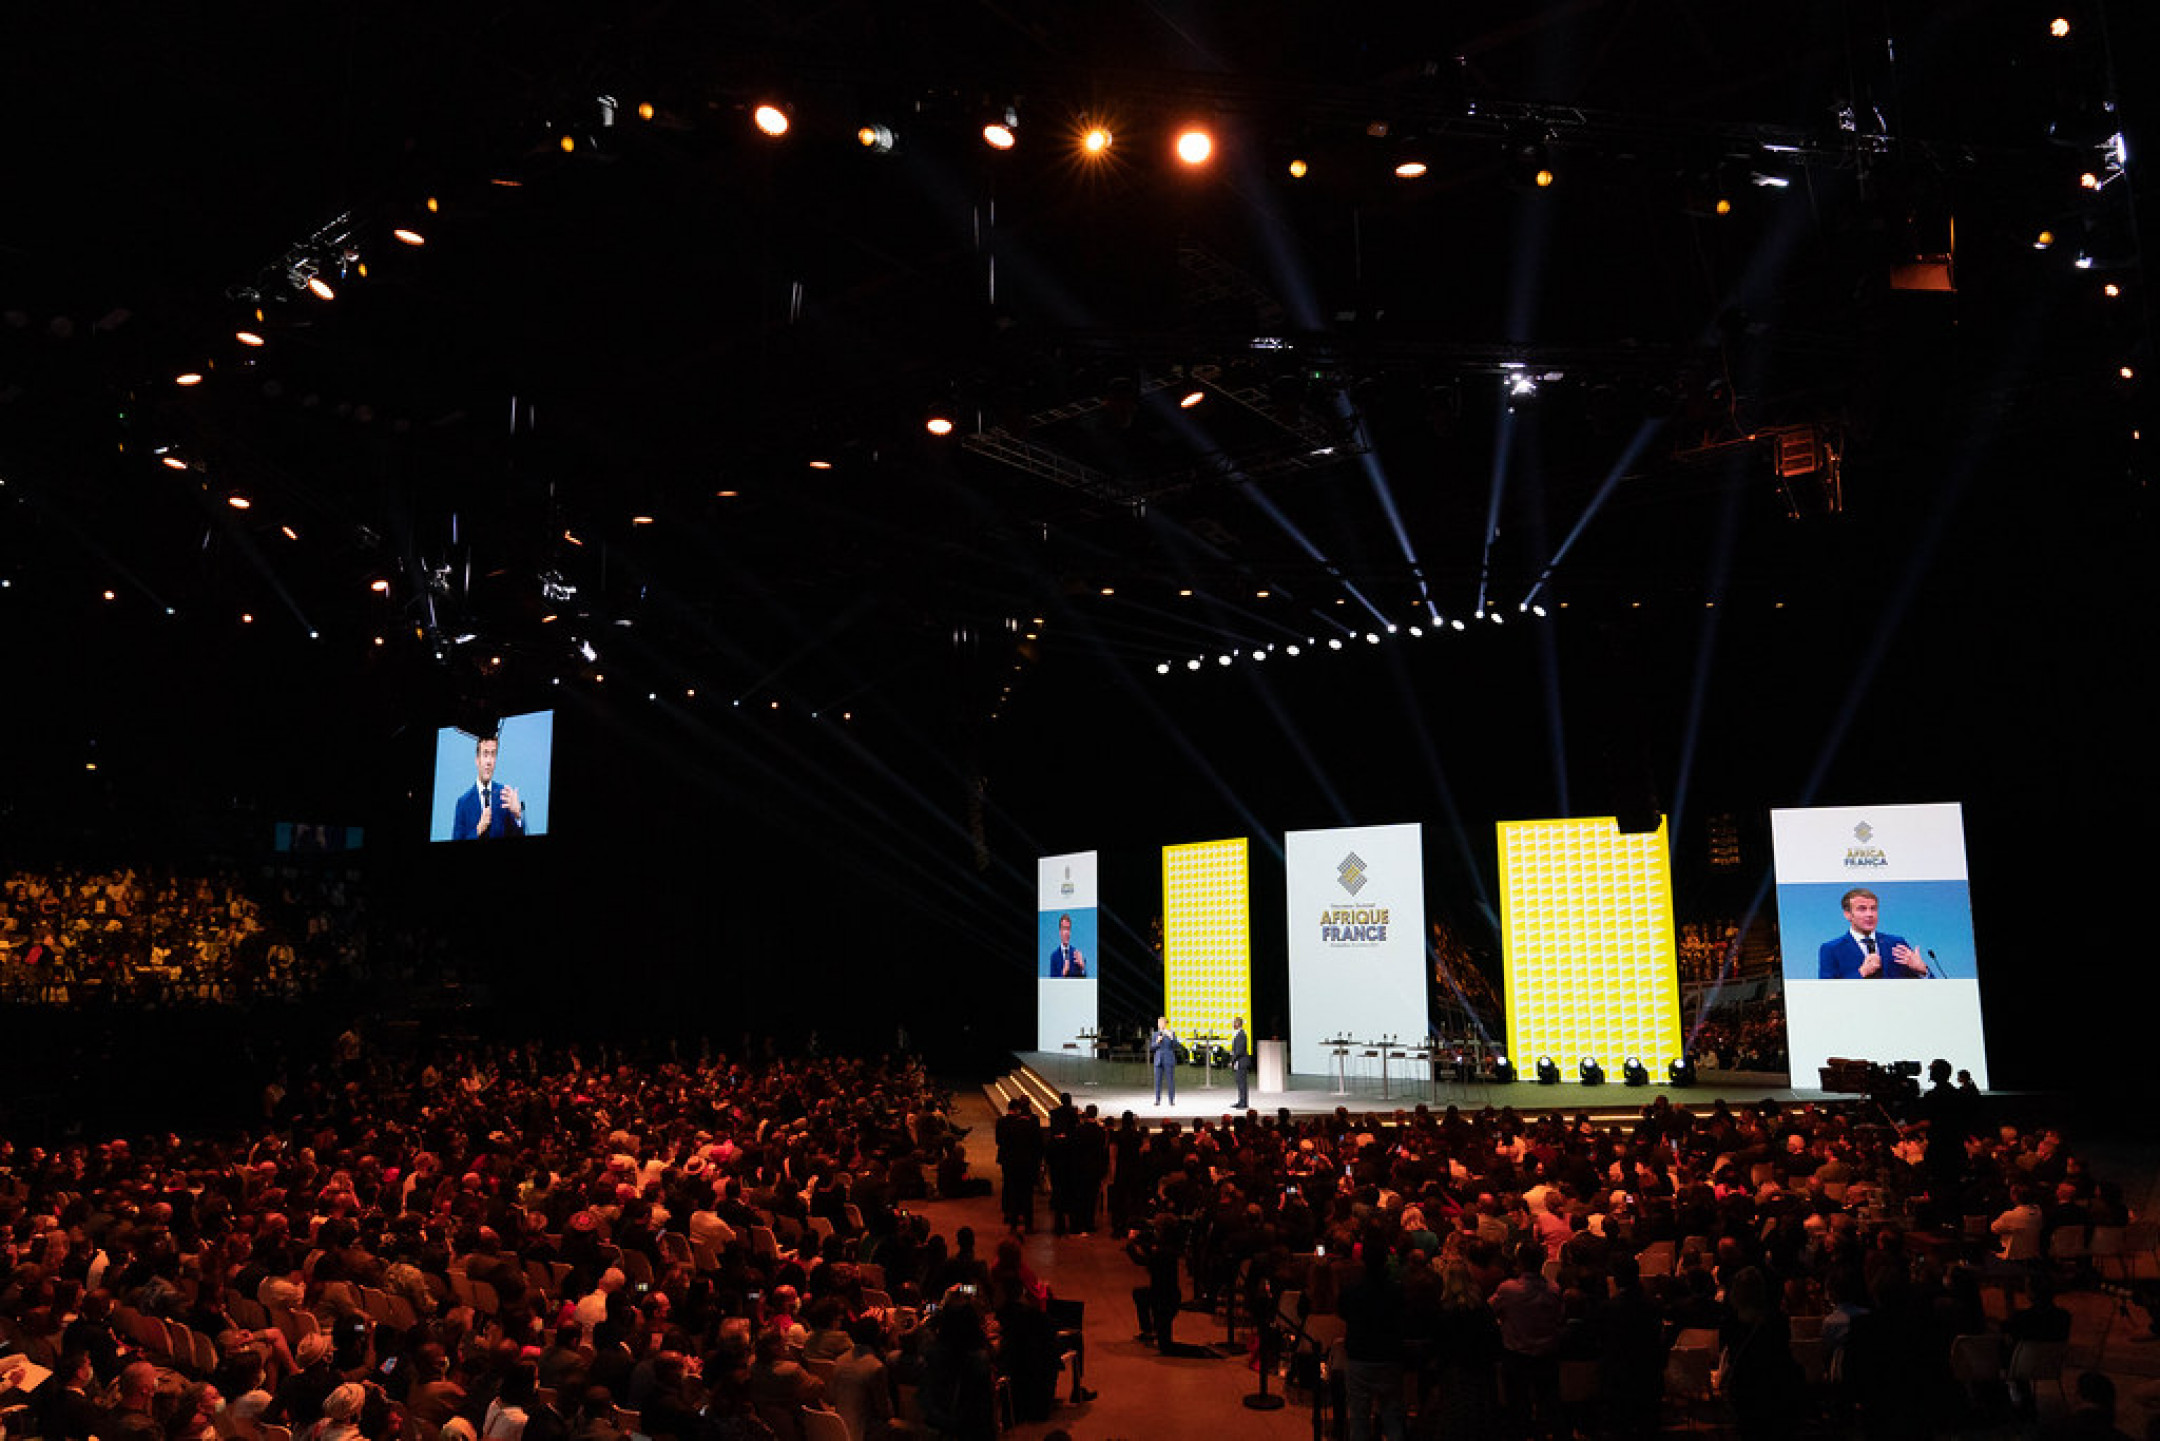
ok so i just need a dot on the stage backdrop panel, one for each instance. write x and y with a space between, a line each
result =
1587 944
1357 938
1912 857
1207 936
1065 1004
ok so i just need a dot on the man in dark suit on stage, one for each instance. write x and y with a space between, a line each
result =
488 811
1240 1058
1066 962
1864 953
1162 1051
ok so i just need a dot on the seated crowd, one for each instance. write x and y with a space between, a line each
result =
517 1245
69 934
1511 1246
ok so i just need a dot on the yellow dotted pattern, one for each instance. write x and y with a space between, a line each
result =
1587 941
1207 936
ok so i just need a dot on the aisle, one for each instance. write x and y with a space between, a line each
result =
1139 1394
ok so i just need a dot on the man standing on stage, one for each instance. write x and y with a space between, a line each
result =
1162 1050
1240 1058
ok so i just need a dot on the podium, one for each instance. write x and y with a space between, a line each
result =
1274 1058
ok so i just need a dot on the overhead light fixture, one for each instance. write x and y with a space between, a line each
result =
1194 146
320 288
2059 27
1095 140
877 139
188 377
770 120
939 425
172 462
408 237
1002 131
1191 398
237 501
1299 169
248 338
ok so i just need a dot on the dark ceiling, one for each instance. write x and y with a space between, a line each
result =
610 368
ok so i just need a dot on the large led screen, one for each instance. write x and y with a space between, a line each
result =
1207 937
492 785
1587 935
1867 895
1066 961
1357 939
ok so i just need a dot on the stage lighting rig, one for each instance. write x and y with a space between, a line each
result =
1680 1071
1634 1072
1548 1073
1589 1072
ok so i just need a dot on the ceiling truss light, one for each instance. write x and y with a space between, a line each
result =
877 139
1194 146
771 120
1002 131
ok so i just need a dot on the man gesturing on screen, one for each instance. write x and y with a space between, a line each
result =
1066 962
488 811
1863 952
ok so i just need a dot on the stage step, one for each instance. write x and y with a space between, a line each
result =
1026 1082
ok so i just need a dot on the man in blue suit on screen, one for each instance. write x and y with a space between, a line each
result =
488 811
1864 953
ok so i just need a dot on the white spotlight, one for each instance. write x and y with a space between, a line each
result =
1162 668
1193 664
1291 649
1334 642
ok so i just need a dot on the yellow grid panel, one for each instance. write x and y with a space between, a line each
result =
1587 943
1207 936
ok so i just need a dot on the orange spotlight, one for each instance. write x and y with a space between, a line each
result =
1191 398
939 425
1543 179
188 377
2059 27
770 120
999 136
247 338
645 110
1096 140
568 144
409 237
380 587
237 501
1411 170
172 462
1194 146
320 288
1299 169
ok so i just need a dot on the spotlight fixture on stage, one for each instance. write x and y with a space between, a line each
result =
1634 1072
1548 1073
1503 1071
1589 1072
1680 1071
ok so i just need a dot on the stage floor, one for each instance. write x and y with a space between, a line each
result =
1114 1087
